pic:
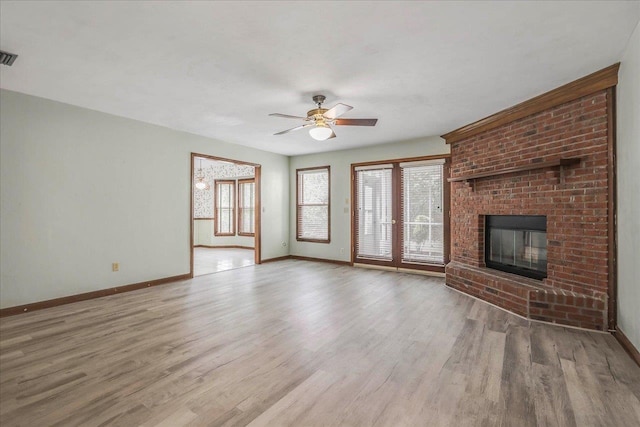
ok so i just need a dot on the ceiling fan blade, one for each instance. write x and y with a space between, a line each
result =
355 122
333 134
287 116
295 128
337 110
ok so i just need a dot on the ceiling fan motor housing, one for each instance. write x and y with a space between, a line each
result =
316 113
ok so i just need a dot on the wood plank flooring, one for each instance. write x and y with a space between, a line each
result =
297 343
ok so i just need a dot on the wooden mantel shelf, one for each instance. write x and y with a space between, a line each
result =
529 167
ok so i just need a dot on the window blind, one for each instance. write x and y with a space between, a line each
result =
422 163
422 212
224 207
312 213
246 207
374 212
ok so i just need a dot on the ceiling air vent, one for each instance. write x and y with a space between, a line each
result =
7 58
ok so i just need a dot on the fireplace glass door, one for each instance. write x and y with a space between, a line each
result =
517 244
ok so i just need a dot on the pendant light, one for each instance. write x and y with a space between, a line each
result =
201 184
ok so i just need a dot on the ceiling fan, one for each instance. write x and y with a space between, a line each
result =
321 119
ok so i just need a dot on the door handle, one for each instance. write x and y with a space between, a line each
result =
393 221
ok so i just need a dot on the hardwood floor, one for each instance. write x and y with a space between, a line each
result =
215 260
303 344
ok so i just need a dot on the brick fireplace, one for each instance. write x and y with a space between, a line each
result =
551 156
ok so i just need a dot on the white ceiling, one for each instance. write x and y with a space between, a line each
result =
219 68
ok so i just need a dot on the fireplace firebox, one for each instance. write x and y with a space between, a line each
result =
517 244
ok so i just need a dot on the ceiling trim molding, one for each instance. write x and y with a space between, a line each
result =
603 79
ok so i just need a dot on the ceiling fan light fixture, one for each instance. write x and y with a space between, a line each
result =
320 132
201 185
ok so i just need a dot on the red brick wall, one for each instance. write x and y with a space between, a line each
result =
573 198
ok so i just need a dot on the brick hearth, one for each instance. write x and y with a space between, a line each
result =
574 198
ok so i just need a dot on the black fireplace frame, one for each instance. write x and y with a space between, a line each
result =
513 222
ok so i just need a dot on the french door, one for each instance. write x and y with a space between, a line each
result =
401 215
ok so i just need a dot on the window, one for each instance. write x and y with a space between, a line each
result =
375 212
224 207
246 206
422 212
312 205
400 216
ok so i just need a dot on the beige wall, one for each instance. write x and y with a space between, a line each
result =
340 162
80 189
628 159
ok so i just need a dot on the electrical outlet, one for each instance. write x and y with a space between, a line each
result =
115 266
342 250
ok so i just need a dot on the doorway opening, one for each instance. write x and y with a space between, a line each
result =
400 215
225 214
